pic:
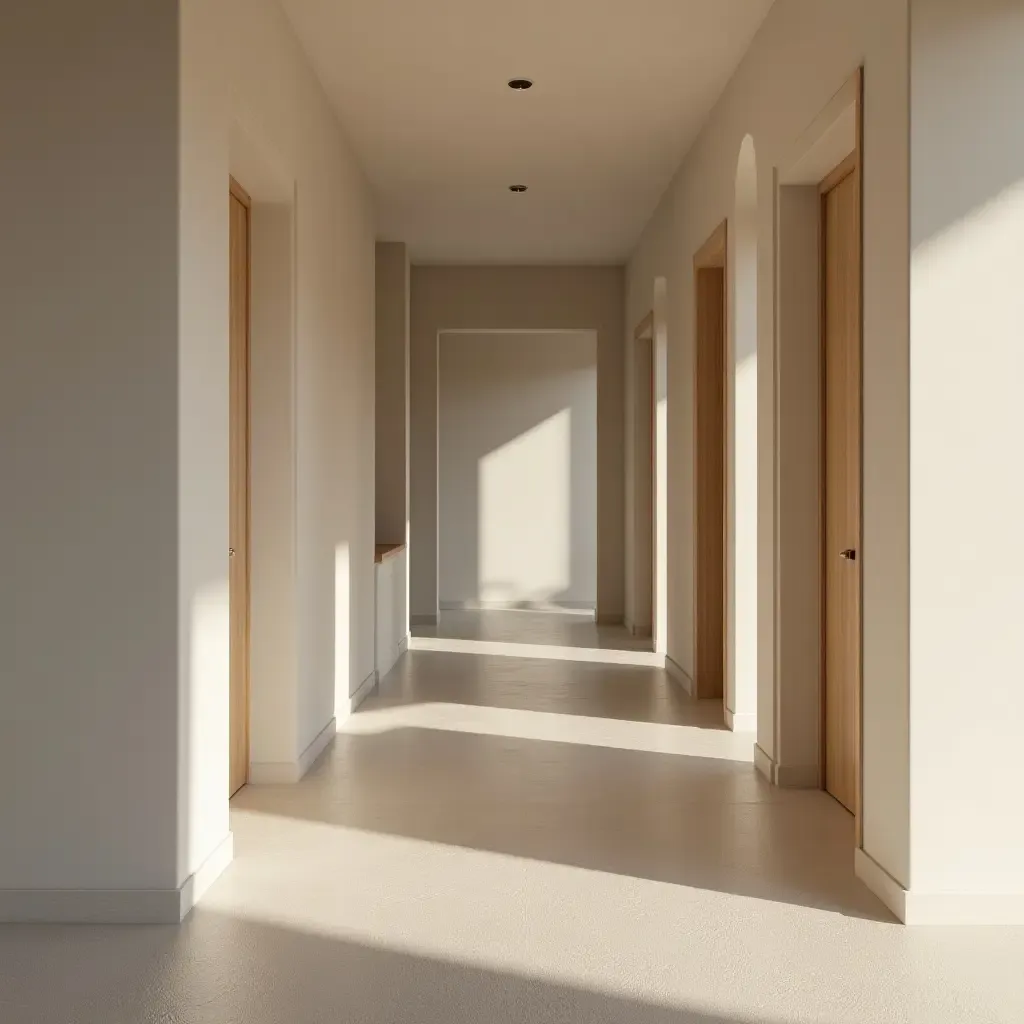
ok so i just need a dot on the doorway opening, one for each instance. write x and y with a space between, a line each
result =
709 405
239 557
816 736
519 520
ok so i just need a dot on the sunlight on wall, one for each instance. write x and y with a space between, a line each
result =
741 497
525 515
967 504
207 720
342 621
660 616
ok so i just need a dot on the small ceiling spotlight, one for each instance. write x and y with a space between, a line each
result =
518 188
520 84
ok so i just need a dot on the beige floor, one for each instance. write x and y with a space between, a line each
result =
562 635
501 840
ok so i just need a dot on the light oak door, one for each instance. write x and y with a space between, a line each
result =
239 488
842 488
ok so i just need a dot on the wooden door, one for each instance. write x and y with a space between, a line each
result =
841 343
709 468
239 487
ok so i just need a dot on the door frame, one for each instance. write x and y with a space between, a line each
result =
243 485
712 255
851 164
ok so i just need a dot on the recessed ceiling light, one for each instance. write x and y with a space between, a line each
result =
517 188
520 84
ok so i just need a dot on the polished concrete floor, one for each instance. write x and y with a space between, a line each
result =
563 635
493 839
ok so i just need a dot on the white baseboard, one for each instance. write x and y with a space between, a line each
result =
798 776
115 906
403 645
423 620
262 773
740 722
881 883
197 884
972 909
678 675
366 687
787 776
764 764
324 738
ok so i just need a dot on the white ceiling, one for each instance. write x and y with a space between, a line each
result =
622 88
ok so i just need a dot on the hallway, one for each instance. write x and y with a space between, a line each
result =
525 841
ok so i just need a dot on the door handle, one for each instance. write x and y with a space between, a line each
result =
850 554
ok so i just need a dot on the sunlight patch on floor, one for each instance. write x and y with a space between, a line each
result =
548 652
651 737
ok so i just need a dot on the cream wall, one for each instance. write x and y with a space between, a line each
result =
966 429
88 458
251 106
115 386
517 469
392 389
516 299
801 57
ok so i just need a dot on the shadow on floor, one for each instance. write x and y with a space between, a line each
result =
702 822
621 692
218 968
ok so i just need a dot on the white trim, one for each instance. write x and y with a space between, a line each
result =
198 883
262 773
764 764
324 738
423 620
939 908
115 906
403 645
798 776
675 671
366 687
786 776
740 722
881 883
828 140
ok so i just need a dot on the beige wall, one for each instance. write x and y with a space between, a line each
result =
252 106
966 430
801 57
392 409
518 469
88 406
116 387
516 299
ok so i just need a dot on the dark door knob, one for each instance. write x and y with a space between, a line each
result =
850 554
